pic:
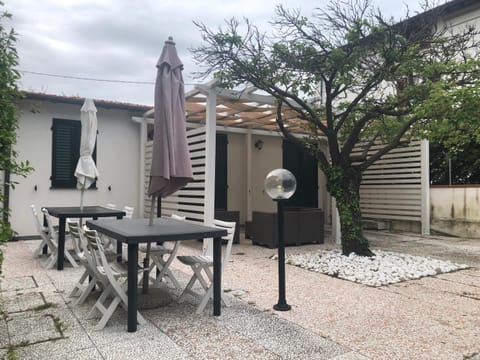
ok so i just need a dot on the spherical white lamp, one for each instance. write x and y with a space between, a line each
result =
280 184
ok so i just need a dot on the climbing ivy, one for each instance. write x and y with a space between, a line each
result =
9 96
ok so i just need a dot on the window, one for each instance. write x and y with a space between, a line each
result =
65 153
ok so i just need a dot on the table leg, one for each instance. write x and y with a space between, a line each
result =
146 272
119 245
119 251
132 287
45 248
217 275
61 243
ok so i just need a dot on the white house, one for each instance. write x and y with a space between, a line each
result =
117 156
120 158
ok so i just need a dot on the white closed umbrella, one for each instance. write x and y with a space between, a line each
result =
86 171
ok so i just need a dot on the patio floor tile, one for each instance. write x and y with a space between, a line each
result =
17 283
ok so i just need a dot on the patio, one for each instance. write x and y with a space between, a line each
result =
436 317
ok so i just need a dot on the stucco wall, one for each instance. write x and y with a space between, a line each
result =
237 175
117 161
264 161
456 210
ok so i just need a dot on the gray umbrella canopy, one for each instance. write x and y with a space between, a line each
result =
171 167
86 172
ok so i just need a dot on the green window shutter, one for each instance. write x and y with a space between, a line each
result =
65 152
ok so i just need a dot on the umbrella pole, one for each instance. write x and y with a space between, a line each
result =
152 207
81 199
146 260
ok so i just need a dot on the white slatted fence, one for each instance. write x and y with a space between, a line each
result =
190 200
391 188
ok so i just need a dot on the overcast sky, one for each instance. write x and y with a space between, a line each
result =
122 39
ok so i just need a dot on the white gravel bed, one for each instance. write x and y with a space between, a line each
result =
382 269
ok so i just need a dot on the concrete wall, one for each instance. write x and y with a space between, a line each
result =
117 161
456 210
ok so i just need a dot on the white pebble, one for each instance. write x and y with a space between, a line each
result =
382 269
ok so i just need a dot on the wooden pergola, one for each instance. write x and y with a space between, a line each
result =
247 109
251 112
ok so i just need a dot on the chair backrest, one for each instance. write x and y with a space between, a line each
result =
128 211
38 225
75 233
91 240
178 217
230 227
52 233
98 253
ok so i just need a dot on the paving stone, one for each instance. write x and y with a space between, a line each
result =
17 283
23 302
116 331
205 337
85 354
31 329
56 350
161 347
278 335
350 356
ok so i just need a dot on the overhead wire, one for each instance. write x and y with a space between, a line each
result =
86 78
91 79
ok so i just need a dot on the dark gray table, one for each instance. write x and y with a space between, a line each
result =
135 231
64 212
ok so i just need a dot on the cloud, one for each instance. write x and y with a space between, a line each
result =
119 40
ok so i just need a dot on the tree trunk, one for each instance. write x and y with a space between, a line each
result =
344 185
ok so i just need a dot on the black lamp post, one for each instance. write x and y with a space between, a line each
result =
280 185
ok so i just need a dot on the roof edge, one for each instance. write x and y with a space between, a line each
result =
76 100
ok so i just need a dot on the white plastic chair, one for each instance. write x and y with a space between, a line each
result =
128 211
42 231
110 244
115 277
52 242
90 276
157 260
202 267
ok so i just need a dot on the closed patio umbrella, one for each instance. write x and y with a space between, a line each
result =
86 172
171 167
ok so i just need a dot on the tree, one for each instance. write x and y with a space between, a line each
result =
379 81
9 96
455 166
